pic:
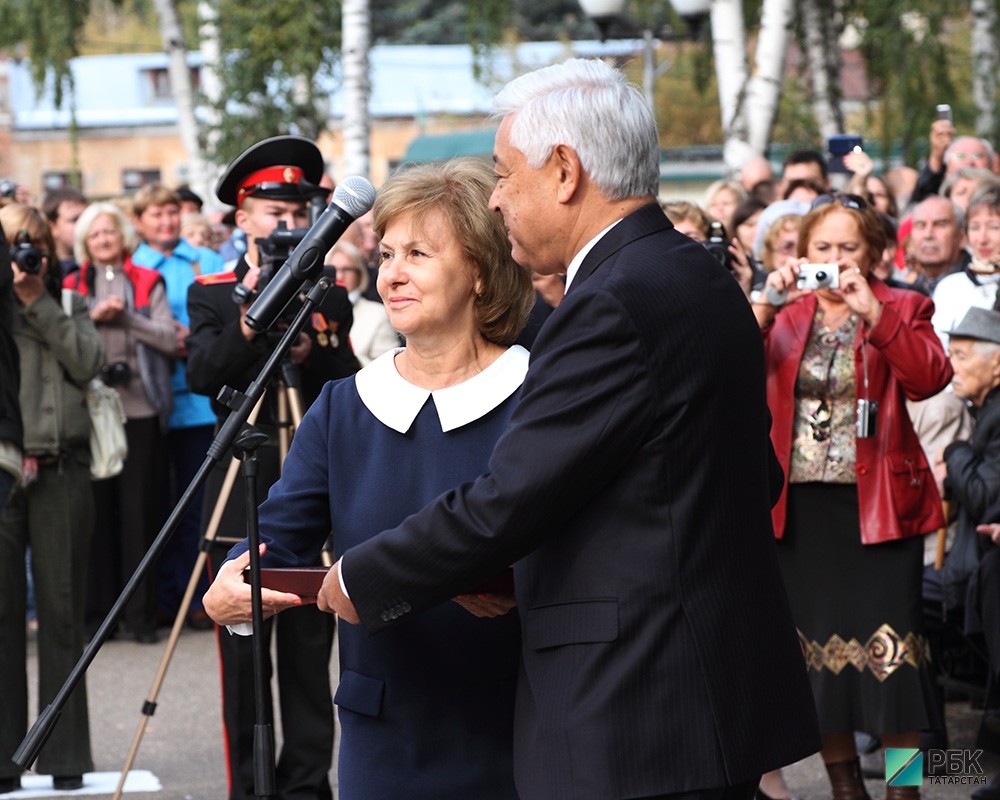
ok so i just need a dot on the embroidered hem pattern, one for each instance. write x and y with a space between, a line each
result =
883 653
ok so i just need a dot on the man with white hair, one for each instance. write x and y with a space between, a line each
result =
631 489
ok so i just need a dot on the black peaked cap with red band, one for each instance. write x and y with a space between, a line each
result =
279 168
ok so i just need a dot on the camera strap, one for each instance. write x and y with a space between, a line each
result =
864 359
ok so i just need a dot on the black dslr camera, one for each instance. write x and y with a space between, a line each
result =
274 251
117 374
718 244
27 257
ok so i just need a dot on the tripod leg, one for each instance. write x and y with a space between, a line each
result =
149 706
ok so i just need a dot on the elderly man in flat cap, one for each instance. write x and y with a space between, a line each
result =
271 182
974 475
972 467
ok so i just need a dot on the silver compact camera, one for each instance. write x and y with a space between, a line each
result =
867 419
818 276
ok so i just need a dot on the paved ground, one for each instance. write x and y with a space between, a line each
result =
183 745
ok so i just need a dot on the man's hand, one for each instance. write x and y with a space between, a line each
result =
942 133
332 599
991 529
299 352
250 281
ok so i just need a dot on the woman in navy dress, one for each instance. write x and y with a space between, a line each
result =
426 709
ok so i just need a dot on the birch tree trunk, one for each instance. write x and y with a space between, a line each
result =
180 86
211 86
764 89
752 108
729 46
984 65
820 40
356 39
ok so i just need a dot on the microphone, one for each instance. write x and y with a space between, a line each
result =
353 197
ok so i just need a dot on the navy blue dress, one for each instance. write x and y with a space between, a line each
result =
426 709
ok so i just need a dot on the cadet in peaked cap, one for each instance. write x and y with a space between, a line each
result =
270 182
279 168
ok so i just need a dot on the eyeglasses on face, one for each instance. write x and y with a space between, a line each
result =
854 201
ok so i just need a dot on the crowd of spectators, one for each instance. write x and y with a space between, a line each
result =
918 262
100 289
934 271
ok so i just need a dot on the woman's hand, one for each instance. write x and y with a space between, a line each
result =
28 286
228 600
486 605
181 332
741 268
108 310
857 293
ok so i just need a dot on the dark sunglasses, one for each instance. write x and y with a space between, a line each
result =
854 201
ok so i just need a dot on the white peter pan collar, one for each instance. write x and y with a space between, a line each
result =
396 402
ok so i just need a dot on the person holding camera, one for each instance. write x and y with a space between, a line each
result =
270 184
843 353
129 305
51 510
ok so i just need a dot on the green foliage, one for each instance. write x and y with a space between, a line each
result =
278 55
909 66
52 29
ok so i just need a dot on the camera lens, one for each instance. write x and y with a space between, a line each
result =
821 276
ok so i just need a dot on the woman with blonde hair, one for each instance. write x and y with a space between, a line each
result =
415 421
129 306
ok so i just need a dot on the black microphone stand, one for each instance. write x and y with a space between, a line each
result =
241 403
264 785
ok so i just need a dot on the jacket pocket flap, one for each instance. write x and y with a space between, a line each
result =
900 462
579 622
359 693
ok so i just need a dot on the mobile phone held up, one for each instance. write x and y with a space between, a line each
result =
943 111
839 146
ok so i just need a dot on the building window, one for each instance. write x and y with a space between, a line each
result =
156 83
55 179
133 179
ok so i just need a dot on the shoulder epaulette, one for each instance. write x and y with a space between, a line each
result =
216 277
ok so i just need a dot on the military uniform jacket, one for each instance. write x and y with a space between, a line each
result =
219 355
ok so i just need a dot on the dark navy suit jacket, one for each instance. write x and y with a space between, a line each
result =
633 489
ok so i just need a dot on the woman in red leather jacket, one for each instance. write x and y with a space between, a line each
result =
859 493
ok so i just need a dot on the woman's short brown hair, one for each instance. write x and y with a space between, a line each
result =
863 212
154 194
461 190
679 211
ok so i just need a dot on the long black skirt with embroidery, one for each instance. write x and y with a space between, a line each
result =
858 613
